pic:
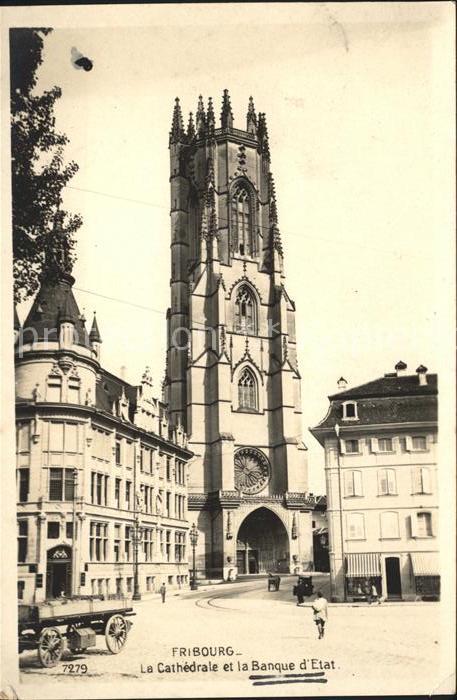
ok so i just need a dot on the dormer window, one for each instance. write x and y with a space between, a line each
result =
350 410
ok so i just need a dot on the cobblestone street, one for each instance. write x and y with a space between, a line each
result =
367 649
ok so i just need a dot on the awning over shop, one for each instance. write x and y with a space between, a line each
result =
361 565
425 563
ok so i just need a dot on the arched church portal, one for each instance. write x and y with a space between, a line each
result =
262 544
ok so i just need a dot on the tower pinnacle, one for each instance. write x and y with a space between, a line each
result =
251 118
200 118
226 114
262 134
190 128
177 125
210 119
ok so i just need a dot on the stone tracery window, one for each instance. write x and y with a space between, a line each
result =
245 311
247 391
241 222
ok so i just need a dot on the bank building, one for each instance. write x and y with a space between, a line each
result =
232 377
101 472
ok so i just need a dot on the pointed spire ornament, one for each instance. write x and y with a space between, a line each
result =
94 335
226 114
177 125
190 128
262 135
200 123
273 216
251 118
210 118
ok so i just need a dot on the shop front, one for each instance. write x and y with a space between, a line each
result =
425 569
363 571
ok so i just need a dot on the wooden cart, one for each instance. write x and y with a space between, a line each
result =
73 623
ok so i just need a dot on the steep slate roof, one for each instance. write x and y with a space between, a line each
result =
389 399
109 389
53 304
390 385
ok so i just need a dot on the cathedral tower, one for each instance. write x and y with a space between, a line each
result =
232 378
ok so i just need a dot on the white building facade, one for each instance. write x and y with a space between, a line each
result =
380 442
101 475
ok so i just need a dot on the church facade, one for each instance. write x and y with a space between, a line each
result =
232 379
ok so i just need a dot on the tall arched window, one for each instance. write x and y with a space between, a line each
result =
242 222
247 391
245 311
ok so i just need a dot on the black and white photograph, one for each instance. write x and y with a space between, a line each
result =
228 354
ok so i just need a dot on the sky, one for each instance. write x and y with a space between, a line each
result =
357 106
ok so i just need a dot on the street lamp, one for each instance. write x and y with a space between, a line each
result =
137 538
193 536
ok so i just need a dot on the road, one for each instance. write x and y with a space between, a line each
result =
223 640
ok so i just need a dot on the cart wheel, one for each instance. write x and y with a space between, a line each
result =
116 633
50 647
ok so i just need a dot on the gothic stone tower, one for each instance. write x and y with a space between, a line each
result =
232 377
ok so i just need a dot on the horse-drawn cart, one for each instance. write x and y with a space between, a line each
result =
73 623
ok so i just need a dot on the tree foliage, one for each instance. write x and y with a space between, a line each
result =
39 172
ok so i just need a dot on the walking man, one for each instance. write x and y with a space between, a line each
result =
320 613
163 591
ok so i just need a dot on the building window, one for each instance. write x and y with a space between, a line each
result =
421 480
419 443
69 531
23 484
23 437
180 546
22 537
389 525
355 526
54 389
119 586
128 495
148 544
168 545
99 488
245 311
61 484
53 531
247 391
118 452
128 543
385 444
387 482
98 541
353 483
168 504
117 542
20 590
241 224
349 410
117 493
423 522
129 584
73 389
168 468
351 446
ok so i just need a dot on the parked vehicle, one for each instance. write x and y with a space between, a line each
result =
72 623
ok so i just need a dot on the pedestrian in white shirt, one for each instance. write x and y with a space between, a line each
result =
320 613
